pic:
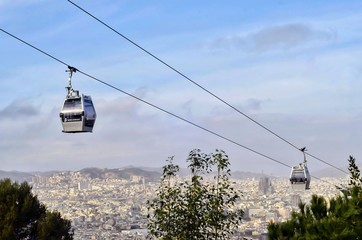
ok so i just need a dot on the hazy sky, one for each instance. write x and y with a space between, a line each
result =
293 66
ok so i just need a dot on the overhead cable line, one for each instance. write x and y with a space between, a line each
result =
154 106
144 101
200 86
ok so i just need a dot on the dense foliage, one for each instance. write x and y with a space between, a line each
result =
195 208
338 218
22 216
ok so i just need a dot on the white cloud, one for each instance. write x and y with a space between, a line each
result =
280 37
19 108
124 135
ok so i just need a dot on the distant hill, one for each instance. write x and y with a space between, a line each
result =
125 173
150 174
16 176
244 175
185 172
330 172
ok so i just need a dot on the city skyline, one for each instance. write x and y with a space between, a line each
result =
110 207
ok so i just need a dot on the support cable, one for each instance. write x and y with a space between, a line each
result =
200 86
153 105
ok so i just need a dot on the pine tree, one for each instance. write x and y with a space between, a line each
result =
22 216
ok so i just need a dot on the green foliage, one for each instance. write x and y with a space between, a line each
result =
22 216
355 179
195 208
340 219
53 227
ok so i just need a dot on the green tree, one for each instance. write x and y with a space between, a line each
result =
52 227
340 219
22 216
196 208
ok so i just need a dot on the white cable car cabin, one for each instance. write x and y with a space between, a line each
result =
77 113
299 176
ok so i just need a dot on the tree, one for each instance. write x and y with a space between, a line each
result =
22 216
340 219
53 227
195 208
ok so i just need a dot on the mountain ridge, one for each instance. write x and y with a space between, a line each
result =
149 173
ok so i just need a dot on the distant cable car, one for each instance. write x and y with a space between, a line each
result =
77 113
299 176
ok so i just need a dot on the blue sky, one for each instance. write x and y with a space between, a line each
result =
292 66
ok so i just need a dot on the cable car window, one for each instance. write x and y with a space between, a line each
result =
88 106
88 102
298 175
73 103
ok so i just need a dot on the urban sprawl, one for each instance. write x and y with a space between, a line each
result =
114 208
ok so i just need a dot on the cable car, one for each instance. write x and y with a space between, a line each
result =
77 113
299 176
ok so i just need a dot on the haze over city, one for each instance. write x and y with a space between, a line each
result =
294 67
